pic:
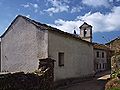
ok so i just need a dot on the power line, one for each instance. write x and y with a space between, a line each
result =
103 36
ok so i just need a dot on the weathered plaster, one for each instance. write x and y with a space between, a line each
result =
22 46
78 56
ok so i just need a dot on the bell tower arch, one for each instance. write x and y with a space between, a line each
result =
86 32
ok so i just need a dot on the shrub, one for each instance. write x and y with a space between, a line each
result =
113 84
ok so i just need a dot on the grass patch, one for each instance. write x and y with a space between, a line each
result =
114 88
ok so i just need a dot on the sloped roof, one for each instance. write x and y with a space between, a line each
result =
100 46
45 27
118 38
85 24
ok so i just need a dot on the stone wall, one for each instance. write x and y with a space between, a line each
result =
115 45
115 53
41 79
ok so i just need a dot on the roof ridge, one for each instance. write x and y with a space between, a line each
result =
45 27
118 37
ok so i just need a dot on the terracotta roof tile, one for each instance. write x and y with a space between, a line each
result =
100 46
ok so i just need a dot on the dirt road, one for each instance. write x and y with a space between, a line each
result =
97 83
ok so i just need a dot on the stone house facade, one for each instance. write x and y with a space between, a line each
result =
26 41
115 47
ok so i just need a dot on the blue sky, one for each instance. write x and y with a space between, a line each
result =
67 15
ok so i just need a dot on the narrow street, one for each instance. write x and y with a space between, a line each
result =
98 83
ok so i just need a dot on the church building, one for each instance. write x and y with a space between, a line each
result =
26 41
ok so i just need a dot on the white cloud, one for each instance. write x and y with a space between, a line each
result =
67 26
76 9
53 10
25 5
35 6
57 6
100 22
96 3
28 16
32 6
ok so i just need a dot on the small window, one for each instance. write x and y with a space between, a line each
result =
104 65
97 66
61 58
100 66
97 54
85 32
102 54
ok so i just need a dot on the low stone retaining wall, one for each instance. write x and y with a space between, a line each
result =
22 81
42 79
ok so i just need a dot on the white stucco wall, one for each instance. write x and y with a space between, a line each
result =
78 56
24 44
42 43
20 47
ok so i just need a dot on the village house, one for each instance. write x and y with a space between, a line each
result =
102 57
26 41
115 47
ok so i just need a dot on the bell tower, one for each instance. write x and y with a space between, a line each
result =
86 32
